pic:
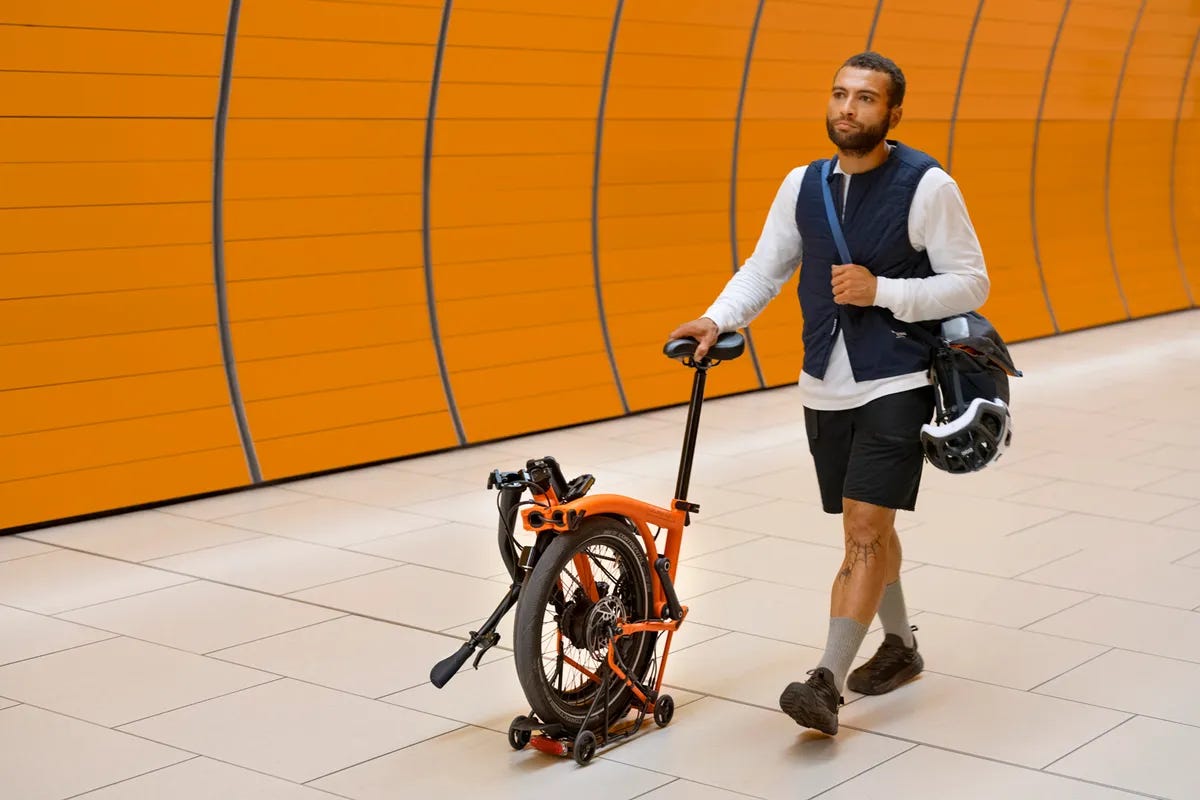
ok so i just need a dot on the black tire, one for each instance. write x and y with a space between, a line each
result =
557 692
517 739
585 748
664 710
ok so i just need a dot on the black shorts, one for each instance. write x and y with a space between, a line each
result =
871 453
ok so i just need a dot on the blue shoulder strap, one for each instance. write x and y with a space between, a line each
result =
831 213
840 240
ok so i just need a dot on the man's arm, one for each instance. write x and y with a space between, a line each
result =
768 268
940 224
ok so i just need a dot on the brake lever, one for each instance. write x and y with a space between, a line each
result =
486 643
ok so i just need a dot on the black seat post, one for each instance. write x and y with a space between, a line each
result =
689 438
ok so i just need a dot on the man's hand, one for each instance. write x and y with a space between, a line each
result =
853 285
703 330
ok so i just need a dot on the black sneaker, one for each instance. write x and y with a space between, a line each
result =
814 703
892 665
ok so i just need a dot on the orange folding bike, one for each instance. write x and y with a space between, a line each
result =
591 600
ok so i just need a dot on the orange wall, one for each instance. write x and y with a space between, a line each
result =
442 224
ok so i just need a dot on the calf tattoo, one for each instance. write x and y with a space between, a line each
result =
859 555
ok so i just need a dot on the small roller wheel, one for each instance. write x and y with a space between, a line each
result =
664 709
517 739
585 747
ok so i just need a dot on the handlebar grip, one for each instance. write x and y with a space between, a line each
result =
445 669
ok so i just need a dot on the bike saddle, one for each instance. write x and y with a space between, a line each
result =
728 347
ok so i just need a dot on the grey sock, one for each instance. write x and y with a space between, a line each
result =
845 637
894 614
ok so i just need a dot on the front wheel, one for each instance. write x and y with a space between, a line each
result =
581 586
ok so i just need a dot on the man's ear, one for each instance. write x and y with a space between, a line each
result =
895 114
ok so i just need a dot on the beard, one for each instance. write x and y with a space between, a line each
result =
857 142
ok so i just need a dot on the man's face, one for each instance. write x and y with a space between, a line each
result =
858 117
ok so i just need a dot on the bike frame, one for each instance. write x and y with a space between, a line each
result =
560 507
550 516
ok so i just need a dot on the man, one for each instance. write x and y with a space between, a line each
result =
864 384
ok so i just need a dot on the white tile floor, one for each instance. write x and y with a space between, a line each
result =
276 643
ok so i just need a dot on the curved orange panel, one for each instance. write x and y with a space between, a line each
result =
1187 175
1139 210
345 213
993 147
323 253
927 40
665 167
1069 183
797 52
113 376
510 215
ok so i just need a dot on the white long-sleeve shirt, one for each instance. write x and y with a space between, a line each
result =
938 223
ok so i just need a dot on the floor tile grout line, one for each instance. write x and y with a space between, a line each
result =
758 536
1092 782
58 614
390 566
915 743
1185 556
1157 520
1046 768
350 546
276 676
696 690
1175 473
272 679
1085 662
113 730
287 598
675 778
1106 516
693 595
130 778
199 755
215 652
28 555
858 775
1029 625
460 727
1122 598
76 549
1064 557
655 789
250 490
194 579
300 498
5 664
1026 528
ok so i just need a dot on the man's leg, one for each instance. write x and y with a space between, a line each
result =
814 703
870 533
854 599
859 584
893 459
880 472
893 613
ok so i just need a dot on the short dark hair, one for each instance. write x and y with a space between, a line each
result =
877 63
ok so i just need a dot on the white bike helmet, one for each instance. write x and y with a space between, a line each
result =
973 426
972 440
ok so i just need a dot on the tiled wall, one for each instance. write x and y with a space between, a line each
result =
244 241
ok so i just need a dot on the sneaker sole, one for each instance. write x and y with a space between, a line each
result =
863 685
800 703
